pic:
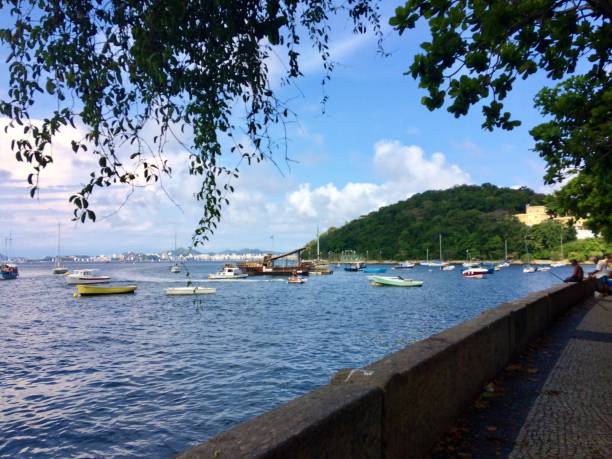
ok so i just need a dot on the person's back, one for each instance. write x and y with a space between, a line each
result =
577 275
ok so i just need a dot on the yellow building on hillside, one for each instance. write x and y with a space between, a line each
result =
534 215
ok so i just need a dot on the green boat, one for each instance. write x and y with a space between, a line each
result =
394 281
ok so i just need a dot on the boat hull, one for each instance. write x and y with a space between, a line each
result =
90 290
60 270
87 280
394 281
375 270
190 290
9 272
227 277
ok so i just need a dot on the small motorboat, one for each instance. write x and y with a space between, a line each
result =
295 279
190 290
86 276
471 264
229 272
88 290
404 265
9 271
394 281
175 268
475 273
354 267
60 270
448 268
543 268
557 264
375 270
530 269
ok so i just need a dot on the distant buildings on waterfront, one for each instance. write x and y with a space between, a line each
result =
534 215
165 256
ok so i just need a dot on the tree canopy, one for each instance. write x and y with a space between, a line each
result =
113 67
479 48
478 219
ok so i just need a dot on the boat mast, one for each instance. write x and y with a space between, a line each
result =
440 235
57 257
427 255
506 249
527 249
318 247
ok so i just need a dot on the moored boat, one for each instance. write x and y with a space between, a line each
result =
448 268
475 273
374 270
86 276
190 290
354 267
404 265
295 279
530 269
229 272
9 271
57 267
88 290
394 281
175 268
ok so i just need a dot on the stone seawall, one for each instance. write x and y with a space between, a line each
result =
399 406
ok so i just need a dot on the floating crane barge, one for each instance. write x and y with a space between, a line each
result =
268 267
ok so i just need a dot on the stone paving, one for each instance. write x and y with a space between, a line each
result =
572 417
553 402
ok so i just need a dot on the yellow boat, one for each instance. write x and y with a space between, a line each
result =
84 289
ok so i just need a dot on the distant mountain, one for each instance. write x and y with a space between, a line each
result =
183 251
474 218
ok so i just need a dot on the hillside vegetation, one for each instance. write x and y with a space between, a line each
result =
474 218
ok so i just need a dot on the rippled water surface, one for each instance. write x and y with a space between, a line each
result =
149 375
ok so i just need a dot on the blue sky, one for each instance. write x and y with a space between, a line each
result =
374 145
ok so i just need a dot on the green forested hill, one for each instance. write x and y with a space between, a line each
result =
474 218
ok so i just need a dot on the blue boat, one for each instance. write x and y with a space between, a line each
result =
375 270
8 271
354 267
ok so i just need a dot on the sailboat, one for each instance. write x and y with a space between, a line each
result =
528 268
444 265
426 263
175 267
559 263
57 266
505 263
8 270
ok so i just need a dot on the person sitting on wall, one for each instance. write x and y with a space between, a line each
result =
577 275
601 274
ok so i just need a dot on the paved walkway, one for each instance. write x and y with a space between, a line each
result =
555 401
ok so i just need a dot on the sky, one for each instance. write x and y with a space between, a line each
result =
374 145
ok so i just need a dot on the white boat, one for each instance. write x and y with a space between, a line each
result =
557 264
543 268
175 267
86 276
471 264
530 269
229 272
405 265
190 290
57 266
296 280
475 273
448 268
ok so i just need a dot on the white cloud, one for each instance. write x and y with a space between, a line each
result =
405 170
292 216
